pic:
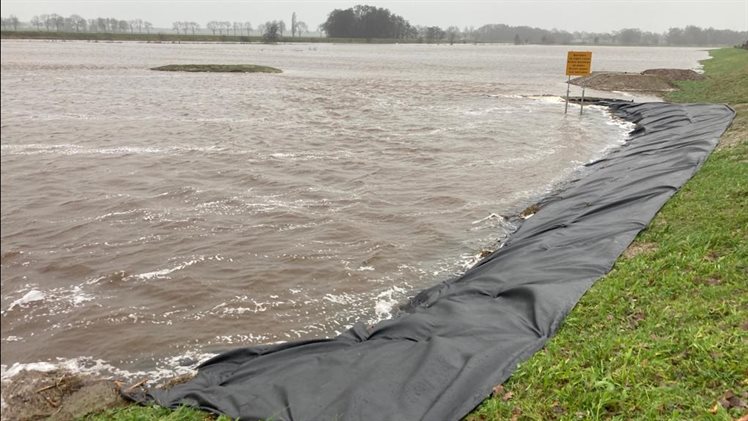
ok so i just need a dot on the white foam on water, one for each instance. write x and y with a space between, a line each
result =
30 297
166 368
54 301
163 273
385 302
73 149
489 217
343 298
242 339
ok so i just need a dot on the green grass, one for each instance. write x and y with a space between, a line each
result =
218 68
152 413
726 80
665 334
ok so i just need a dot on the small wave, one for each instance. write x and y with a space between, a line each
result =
166 368
343 298
385 302
10 256
30 297
163 273
489 217
56 300
72 149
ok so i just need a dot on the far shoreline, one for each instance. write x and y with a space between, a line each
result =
165 38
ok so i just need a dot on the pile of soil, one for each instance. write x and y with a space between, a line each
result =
653 80
629 82
672 75
57 395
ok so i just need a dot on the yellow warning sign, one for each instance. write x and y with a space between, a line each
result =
578 63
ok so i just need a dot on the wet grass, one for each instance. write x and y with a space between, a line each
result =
664 335
218 68
153 413
726 80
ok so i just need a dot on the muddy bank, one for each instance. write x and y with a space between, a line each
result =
57 395
651 81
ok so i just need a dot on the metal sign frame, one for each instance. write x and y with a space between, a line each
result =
578 63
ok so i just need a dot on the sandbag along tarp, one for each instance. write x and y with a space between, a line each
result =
458 339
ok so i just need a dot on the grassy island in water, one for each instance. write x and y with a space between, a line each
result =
218 68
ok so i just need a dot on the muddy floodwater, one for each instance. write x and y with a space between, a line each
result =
152 218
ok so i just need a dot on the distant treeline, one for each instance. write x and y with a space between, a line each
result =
367 24
80 25
373 22
690 35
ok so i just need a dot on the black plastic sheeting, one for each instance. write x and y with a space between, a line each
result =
441 358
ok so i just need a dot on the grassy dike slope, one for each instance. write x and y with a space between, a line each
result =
665 334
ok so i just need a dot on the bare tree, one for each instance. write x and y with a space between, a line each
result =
102 24
301 28
45 20
176 26
271 33
248 27
281 27
56 21
147 25
452 33
77 23
10 23
37 22
213 26
123 25
293 25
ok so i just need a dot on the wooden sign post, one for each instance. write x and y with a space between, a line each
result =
578 63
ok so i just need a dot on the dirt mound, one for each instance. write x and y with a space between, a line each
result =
631 82
652 80
56 395
674 74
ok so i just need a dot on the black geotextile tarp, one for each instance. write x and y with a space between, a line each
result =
458 339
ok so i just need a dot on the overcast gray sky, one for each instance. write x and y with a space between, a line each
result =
579 15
